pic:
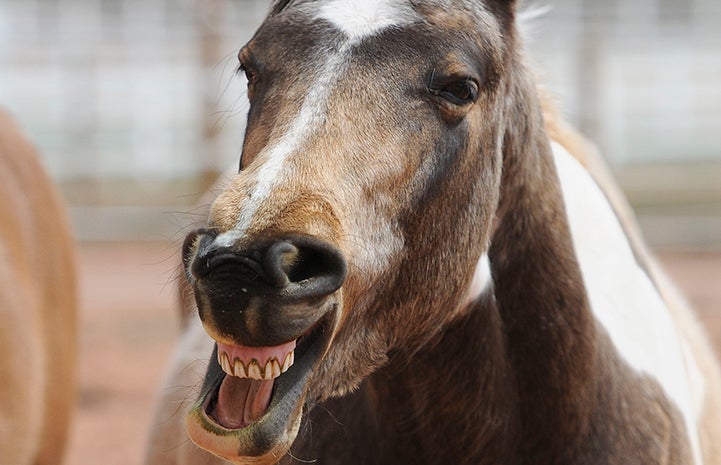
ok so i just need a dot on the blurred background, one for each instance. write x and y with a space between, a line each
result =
135 104
135 107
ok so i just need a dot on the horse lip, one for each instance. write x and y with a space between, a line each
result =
273 433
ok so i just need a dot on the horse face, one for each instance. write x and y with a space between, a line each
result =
368 184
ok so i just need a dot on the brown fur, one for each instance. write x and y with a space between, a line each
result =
37 308
523 375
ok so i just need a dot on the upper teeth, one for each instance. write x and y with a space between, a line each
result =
252 369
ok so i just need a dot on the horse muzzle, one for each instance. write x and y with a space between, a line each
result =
271 307
265 294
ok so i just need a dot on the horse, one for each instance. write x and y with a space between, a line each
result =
37 308
418 262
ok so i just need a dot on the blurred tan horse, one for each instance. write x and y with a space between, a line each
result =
37 308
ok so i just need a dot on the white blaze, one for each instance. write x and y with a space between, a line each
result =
275 169
357 19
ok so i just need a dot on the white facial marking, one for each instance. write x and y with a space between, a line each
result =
481 280
275 169
379 240
362 18
623 298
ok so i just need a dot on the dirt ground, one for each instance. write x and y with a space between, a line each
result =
128 326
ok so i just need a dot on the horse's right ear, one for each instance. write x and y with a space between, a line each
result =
278 6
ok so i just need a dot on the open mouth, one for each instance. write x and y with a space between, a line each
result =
244 393
253 397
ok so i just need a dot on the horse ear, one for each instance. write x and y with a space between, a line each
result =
505 10
507 4
278 6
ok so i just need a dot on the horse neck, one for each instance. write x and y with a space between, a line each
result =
514 377
540 294
451 401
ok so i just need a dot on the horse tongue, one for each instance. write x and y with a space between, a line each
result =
241 401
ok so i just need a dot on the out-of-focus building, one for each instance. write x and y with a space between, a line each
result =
135 103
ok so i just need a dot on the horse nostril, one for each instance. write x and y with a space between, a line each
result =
304 265
298 267
279 261
196 244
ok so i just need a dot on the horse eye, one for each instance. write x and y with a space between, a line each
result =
460 92
249 75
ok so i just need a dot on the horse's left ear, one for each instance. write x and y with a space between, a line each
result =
509 5
505 10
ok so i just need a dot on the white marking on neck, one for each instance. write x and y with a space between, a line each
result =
623 297
481 281
362 18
